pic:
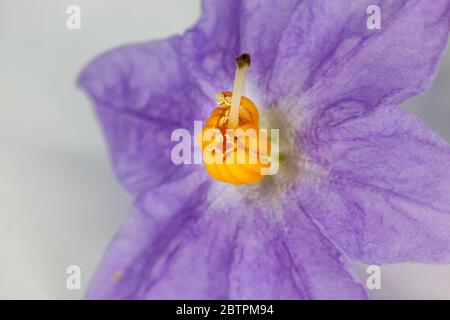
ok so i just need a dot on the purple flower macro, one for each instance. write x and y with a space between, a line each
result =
361 178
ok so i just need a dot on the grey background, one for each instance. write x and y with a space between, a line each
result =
59 201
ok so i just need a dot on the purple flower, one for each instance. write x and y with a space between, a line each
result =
361 178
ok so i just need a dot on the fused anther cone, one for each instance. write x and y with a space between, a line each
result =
236 158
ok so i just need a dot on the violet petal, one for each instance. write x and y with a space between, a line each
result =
385 195
141 94
178 245
326 53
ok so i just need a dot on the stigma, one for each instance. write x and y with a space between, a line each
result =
235 149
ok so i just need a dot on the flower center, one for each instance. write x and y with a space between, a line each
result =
235 150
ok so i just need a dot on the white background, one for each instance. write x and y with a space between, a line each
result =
59 201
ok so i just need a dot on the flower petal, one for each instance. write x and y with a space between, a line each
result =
285 255
326 52
323 50
230 28
149 232
385 196
178 245
142 93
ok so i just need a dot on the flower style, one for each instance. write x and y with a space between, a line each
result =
360 177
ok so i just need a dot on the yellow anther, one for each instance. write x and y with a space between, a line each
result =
220 98
231 157
240 160
227 101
